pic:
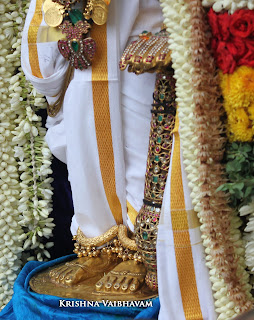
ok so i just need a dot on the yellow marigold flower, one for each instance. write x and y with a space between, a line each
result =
238 93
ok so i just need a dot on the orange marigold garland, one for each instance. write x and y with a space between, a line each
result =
238 93
215 213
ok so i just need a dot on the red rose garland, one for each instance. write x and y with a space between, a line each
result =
233 39
215 211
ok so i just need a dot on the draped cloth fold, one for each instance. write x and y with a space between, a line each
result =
90 120
182 274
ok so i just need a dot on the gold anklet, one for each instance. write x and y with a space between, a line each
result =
116 242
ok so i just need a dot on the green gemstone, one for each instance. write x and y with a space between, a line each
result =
156 158
75 16
75 46
153 195
159 139
144 32
162 96
160 118
155 179
145 235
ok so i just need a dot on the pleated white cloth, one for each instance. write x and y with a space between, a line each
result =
180 253
72 136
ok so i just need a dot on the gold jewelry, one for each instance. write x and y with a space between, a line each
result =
147 54
78 48
160 145
54 16
116 240
97 241
97 10
100 12
124 240
50 4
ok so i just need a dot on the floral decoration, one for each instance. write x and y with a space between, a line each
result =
238 93
179 24
25 191
233 39
228 5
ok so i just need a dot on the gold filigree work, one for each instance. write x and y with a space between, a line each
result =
147 54
97 241
159 153
125 241
116 240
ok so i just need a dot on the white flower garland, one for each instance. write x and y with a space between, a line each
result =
25 191
248 210
10 249
177 21
230 5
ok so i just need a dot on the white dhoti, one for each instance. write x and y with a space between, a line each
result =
102 133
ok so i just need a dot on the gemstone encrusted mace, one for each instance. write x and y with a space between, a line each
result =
159 153
160 141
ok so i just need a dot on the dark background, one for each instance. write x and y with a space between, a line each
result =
62 207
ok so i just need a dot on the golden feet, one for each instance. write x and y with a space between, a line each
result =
127 277
94 279
78 270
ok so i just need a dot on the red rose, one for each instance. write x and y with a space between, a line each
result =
224 58
241 23
214 44
248 58
237 47
224 20
219 24
249 44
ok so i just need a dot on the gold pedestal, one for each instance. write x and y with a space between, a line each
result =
85 290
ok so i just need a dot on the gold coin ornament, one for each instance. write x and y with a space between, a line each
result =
100 12
46 5
53 17
49 4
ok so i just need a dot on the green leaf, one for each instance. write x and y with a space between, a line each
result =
223 187
238 186
248 191
238 194
233 166
247 147
234 146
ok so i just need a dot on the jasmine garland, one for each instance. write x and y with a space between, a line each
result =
25 191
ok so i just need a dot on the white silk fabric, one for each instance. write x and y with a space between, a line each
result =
71 135
168 279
